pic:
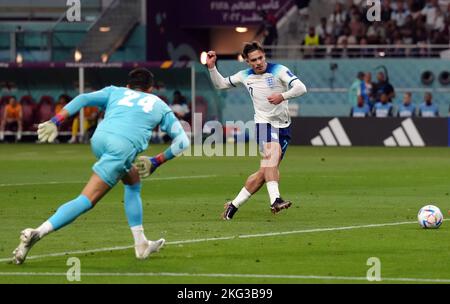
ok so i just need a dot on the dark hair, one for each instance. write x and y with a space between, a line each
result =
140 78
251 47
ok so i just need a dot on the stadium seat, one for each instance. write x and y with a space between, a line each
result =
28 112
45 109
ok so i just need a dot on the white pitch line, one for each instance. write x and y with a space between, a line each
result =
220 275
85 181
224 238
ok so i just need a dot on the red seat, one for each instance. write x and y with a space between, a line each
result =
45 109
28 113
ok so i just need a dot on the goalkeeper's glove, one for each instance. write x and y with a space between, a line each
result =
47 132
146 165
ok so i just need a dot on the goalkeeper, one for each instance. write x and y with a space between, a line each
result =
131 114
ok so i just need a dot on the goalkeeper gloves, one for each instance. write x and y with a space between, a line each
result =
147 165
47 132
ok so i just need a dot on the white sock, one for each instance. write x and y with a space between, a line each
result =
274 193
44 229
138 234
241 198
2 135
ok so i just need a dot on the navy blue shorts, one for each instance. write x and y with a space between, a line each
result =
266 133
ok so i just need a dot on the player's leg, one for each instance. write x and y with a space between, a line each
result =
254 182
273 154
134 213
252 185
94 190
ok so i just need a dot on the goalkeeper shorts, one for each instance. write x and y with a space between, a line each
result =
115 155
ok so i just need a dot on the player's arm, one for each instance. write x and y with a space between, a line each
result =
180 142
296 87
217 79
48 131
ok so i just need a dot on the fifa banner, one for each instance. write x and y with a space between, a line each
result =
388 132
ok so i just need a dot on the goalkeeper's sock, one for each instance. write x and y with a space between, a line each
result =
138 235
44 229
133 210
133 204
68 212
274 193
241 198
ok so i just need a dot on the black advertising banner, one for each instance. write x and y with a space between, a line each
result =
389 132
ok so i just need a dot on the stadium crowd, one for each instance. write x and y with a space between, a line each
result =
403 22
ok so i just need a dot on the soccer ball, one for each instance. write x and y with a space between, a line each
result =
430 217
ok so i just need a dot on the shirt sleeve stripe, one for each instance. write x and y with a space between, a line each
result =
229 79
292 81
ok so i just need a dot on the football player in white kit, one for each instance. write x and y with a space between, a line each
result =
270 86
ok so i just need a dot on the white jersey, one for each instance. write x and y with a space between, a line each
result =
276 79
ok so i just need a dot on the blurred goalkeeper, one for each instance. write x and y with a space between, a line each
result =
270 87
131 114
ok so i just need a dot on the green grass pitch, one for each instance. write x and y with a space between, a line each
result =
343 189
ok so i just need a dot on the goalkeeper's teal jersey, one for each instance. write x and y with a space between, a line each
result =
131 114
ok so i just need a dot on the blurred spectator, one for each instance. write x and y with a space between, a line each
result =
408 30
361 109
357 28
337 19
383 87
427 108
180 107
269 30
439 21
355 89
91 115
415 7
323 29
383 108
12 118
447 12
311 39
376 33
386 11
406 109
60 104
367 91
400 13
430 11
